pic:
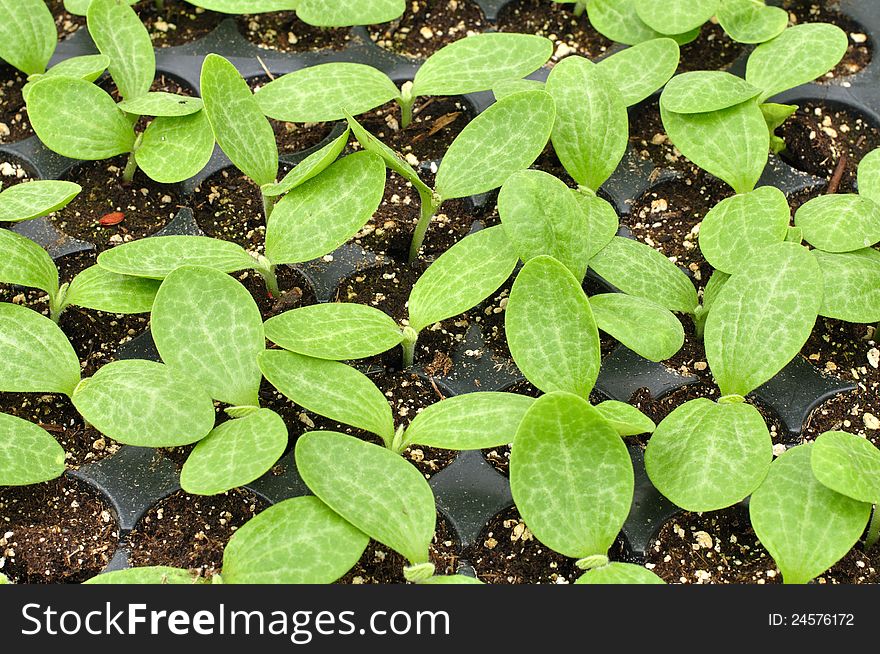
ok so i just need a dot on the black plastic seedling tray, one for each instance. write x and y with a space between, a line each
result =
469 492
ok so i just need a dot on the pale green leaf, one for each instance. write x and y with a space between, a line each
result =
297 541
376 490
34 199
602 220
332 13
80 7
336 331
640 70
175 148
637 269
701 91
571 476
851 285
619 573
119 33
551 330
462 277
848 464
102 290
311 166
240 128
87 67
508 87
472 421
592 127
805 526
144 403
321 214
36 355
507 137
27 35
234 453
675 16
150 575
238 6
77 119
840 222
441 580
618 21
209 330
869 176
28 454
762 317
625 418
798 55
161 103
331 389
24 263
751 21
642 325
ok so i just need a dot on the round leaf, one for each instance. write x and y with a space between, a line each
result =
675 16
847 464
28 454
701 91
625 418
618 21
748 21
87 67
34 199
332 13
642 69
839 222
641 325
161 103
619 573
119 33
175 148
851 285
24 263
102 290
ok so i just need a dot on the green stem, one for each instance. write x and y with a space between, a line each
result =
406 101
268 205
408 345
58 303
271 279
579 8
873 529
131 165
430 204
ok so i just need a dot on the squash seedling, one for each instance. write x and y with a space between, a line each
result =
82 121
725 124
322 13
327 91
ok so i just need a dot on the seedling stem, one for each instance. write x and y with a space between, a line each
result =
267 272
579 8
430 203
268 205
406 105
873 529
408 344
58 303
131 164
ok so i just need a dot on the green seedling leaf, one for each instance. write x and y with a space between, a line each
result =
439 580
152 575
34 199
326 92
80 7
311 166
144 403
508 87
240 128
473 421
37 356
331 389
592 127
637 269
119 33
462 277
798 55
209 330
775 115
625 418
331 13
735 230
731 144
716 282
87 67
323 213
235 6
619 573
602 220
568 508
28 454
675 16
550 329
847 464
77 119
24 263
297 541
851 282
762 317
161 103
642 69
541 216
805 526
373 488
158 256
27 35
507 137
102 290
478 62
175 148
701 91
748 21
235 453
335 331
839 222
869 176
618 21
708 455
643 326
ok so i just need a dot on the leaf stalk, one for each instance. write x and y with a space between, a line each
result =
406 102
408 345
131 165
430 203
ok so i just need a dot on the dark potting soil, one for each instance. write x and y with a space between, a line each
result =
721 548
819 136
191 531
282 30
14 172
859 52
178 23
428 25
60 531
711 50
549 162
649 139
14 123
295 291
571 35
293 137
65 22
382 565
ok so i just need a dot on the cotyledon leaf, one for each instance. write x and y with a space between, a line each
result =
175 148
805 526
235 6
119 33
234 453
472 421
841 222
642 325
462 277
848 464
641 69
508 87
27 35
34 199
701 91
618 21
331 389
439 580
869 176
751 21
602 220
37 356
336 331
87 67
162 103
297 541
24 263
144 403
762 316
571 476
619 573
149 575
675 16
102 290
332 13
209 330
28 453
709 455
376 490
313 165
550 328
625 418
851 285
80 7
